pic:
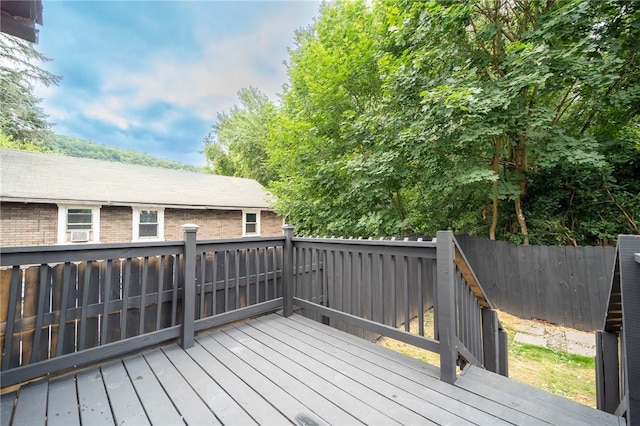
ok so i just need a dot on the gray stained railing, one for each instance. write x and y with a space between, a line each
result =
375 285
618 343
68 306
65 306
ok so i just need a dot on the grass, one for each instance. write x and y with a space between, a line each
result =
567 375
561 373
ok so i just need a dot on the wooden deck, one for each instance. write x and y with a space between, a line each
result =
275 370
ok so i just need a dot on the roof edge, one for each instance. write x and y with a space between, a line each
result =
4 199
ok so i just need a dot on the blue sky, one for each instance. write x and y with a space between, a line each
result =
152 75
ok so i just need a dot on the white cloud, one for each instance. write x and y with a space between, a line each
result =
155 93
209 84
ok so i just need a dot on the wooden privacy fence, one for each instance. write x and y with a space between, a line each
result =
562 285
68 306
618 337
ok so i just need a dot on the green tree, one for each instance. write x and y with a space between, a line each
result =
339 172
236 145
21 116
507 89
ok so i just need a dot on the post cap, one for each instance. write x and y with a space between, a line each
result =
187 227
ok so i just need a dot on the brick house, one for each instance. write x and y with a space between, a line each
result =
52 199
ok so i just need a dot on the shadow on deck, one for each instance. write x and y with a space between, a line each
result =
276 370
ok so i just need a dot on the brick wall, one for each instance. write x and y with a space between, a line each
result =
116 224
270 224
37 224
213 223
216 223
28 224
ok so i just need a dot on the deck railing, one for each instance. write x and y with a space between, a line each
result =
618 343
376 285
66 306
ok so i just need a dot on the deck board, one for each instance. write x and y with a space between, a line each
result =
275 370
251 401
306 395
63 402
6 407
157 404
360 410
414 396
414 369
282 401
92 398
361 391
186 400
127 409
31 407
218 401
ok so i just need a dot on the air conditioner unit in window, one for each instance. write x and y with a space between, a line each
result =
80 236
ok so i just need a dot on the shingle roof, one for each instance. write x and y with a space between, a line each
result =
47 178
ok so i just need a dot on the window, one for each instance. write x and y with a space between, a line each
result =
250 223
148 224
78 224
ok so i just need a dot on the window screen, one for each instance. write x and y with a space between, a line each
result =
251 223
79 219
148 223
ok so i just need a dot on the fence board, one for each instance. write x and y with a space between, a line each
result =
5 285
566 285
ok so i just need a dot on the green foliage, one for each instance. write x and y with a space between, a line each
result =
236 145
405 116
21 116
73 147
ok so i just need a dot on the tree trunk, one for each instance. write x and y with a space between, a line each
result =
521 219
496 169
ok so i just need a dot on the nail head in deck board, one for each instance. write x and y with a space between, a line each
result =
92 398
157 404
219 402
125 404
62 407
186 400
391 408
307 396
267 347
283 402
254 403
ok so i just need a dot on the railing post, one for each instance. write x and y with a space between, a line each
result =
187 330
446 305
490 340
287 272
503 353
607 371
629 263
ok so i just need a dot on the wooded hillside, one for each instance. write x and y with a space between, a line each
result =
73 147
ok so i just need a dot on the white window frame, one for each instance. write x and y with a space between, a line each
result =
244 223
64 234
136 224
